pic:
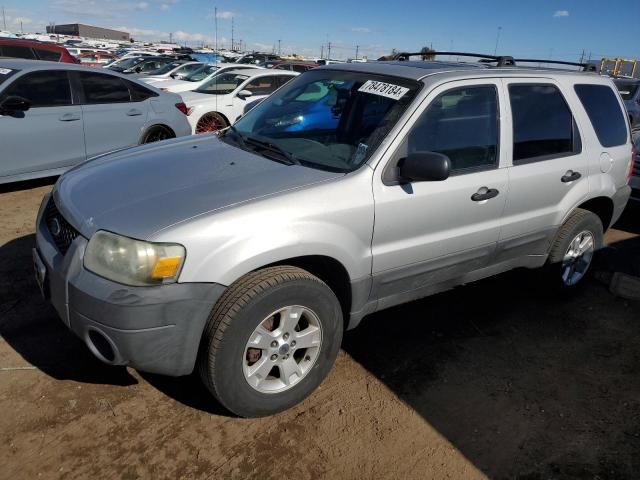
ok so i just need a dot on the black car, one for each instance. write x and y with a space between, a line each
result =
145 64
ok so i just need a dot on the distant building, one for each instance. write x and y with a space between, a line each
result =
80 30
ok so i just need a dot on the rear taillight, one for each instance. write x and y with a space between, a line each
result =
182 107
634 153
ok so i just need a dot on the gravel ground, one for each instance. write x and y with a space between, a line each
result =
496 379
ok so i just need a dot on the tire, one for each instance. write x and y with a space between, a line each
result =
581 228
156 134
211 122
225 357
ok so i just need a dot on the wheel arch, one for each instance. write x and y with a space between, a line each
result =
602 207
148 129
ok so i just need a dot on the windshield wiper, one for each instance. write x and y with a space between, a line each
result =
287 157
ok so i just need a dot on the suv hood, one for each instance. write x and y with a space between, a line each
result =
137 192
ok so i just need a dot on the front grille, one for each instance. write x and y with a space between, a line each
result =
61 231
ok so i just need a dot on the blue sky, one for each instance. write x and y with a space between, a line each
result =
539 28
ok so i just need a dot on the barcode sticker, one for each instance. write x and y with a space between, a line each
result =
383 89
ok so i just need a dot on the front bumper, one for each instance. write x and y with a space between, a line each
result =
153 329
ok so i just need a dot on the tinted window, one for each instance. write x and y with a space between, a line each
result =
299 68
16 51
462 124
42 89
262 85
283 66
139 93
47 55
99 88
542 122
605 113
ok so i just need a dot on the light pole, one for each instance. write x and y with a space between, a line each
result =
495 50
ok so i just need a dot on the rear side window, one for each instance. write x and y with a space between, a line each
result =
543 126
139 93
463 124
16 51
100 88
605 114
47 55
42 89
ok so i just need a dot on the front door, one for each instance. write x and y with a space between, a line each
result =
49 135
431 233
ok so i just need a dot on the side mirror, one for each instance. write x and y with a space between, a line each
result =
244 94
13 104
424 167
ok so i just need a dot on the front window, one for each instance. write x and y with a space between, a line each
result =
222 84
627 89
201 73
326 119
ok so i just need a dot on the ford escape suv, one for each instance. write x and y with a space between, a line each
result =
353 188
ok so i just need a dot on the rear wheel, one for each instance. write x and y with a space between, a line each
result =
574 248
270 341
156 134
211 122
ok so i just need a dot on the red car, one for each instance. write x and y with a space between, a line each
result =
34 50
95 59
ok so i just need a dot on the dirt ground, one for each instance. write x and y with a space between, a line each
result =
496 379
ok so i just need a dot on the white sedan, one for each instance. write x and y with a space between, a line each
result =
199 77
222 100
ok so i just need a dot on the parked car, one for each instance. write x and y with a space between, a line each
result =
299 67
141 65
172 71
122 64
220 101
75 51
200 77
257 58
33 50
96 59
247 254
54 116
630 92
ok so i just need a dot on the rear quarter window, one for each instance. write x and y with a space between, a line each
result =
605 113
17 51
48 55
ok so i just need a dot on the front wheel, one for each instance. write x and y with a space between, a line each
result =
270 341
574 248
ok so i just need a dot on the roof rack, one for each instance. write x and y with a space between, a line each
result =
500 60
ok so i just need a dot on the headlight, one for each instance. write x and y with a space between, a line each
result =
133 262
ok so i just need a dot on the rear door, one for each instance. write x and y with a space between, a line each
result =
47 136
111 120
549 170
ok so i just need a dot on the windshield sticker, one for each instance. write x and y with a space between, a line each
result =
361 152
5 71
383 89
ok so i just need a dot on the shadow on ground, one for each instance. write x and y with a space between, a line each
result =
524 384
33 329
27 184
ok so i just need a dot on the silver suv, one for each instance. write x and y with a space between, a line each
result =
353 188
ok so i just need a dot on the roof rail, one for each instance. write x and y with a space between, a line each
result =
586 67
500 60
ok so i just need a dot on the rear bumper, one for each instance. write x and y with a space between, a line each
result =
620 199
153 329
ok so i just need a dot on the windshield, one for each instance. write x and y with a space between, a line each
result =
201 73
222 84
128 63
165 69
627 89
326 119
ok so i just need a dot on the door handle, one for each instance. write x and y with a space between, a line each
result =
570 176
484 193
69 117
134 112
